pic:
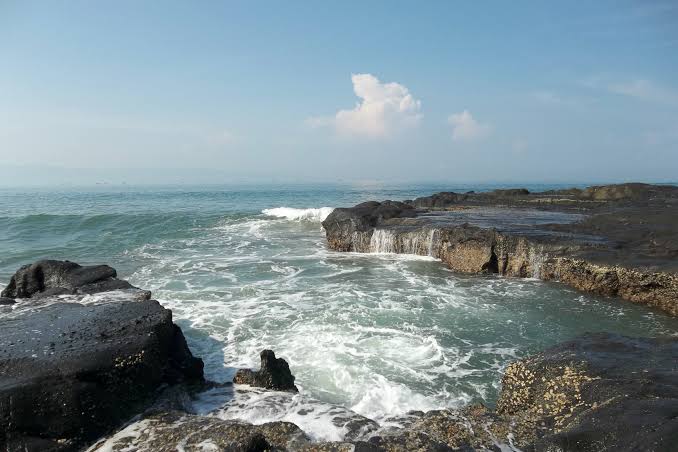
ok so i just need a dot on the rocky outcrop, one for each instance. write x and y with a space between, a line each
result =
345 226
274 374
629 251
51 277
72 368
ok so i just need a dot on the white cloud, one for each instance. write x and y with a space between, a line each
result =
551 98
465 128
645 90
383 109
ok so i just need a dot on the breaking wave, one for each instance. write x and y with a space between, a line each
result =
291 213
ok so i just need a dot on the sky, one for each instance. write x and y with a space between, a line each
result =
211 92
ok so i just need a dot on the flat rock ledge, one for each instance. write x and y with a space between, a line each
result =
634 255
273 374
599 392
73 367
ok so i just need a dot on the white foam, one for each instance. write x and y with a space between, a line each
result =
290 213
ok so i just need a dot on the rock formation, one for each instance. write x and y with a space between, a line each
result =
72 368
51 277
625 244
274 374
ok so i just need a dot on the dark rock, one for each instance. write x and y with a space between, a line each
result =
6 301
163 431
409 440
622 243
83 369
340 446
598 392
439 200
508 193
51 277
342 224
274 374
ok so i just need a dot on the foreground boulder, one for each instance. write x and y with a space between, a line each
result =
274 374
71 370
598 392
51 277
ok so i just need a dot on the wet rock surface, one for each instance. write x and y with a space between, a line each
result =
274 374
169 430
616 240
51 277
598 392
73 367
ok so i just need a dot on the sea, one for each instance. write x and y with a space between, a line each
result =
245 268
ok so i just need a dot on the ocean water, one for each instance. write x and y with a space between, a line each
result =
246 268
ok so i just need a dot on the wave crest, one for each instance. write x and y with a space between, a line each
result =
291 213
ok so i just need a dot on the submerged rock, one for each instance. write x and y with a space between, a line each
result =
73 368
51 277
274 374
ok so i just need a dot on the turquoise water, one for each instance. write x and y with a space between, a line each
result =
375 334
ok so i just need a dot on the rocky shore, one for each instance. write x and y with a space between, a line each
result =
615 240
599 392
90 362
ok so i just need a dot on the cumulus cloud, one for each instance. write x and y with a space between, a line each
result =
383 109
466 128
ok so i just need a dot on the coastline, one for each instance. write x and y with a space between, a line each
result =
596 255
562 397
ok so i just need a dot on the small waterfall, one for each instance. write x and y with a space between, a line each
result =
537 258
431 241
383 241
361 242
420 242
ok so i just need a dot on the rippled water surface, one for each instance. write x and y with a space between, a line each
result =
376 334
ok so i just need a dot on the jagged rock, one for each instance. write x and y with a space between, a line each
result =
4 301
51 277
274 374
69 372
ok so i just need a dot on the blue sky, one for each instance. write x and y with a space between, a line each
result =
332 91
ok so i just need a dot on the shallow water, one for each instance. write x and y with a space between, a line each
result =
376 334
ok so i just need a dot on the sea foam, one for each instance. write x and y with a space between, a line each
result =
291 213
